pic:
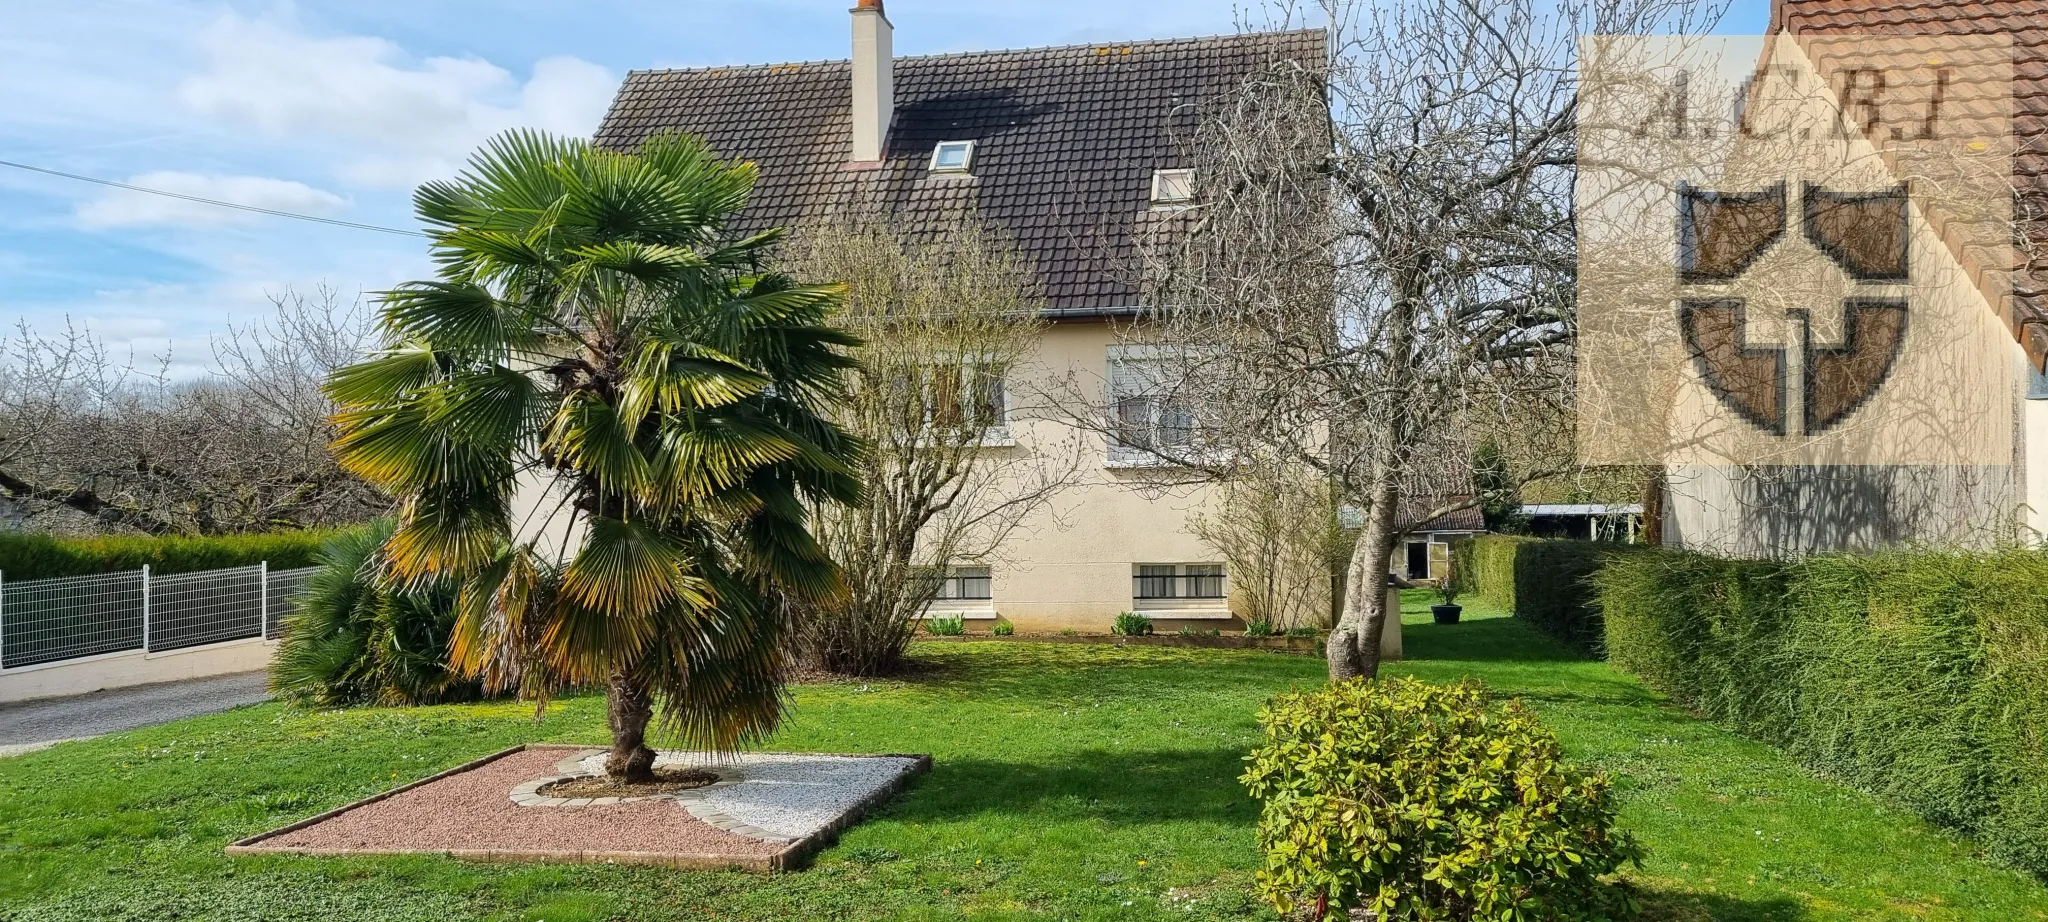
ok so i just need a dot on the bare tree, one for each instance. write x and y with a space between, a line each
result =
1380 274
1278 531
93 441
947 310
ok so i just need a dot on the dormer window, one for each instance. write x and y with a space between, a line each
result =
1173 187
953 157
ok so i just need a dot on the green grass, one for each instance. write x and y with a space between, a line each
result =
1072 782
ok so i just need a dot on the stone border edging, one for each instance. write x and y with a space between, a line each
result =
1303 646
795 857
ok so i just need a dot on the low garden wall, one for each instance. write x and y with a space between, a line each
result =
1922 676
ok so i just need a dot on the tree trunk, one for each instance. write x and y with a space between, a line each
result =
629 708
1653 508
1354 646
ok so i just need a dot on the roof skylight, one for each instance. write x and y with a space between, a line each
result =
953 157
1173 187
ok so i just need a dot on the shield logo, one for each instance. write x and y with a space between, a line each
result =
1721 234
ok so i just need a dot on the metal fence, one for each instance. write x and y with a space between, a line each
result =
50 620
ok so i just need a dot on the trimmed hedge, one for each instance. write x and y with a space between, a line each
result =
1541 581
1920 676
35 556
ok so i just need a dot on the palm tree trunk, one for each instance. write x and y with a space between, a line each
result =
629 708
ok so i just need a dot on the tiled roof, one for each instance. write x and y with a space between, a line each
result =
2027 22
1414 507
1066 138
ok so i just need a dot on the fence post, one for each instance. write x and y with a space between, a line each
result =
263 596
3 620
145 608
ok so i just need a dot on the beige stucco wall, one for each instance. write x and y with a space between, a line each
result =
1070 565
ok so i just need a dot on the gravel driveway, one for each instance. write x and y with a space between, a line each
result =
33 725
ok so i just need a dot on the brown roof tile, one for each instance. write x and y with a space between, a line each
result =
1066 138
2027 22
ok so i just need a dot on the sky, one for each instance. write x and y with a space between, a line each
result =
339 109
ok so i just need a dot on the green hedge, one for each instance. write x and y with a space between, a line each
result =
1920 676
1543 582
33 556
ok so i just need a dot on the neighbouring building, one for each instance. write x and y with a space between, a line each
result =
1073 151
1764 511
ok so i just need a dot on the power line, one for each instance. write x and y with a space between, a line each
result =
207 201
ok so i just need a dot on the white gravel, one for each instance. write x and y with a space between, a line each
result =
787 794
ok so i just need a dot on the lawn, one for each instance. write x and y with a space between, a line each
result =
1072 782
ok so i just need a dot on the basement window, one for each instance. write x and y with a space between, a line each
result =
1173 187
953 157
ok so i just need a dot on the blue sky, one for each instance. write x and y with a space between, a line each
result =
339 108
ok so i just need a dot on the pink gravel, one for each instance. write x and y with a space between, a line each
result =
473 810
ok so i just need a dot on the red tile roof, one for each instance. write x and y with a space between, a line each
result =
2027 22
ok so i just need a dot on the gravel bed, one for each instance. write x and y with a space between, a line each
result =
787 795
470 811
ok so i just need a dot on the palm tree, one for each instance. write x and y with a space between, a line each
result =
594 327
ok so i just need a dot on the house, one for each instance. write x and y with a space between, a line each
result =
1423 553
1072 150
1996 498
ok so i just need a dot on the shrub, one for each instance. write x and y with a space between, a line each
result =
356 640
1131 624
1069 632
1920 676
1485 566
1186 630
1418 801
1260 628
1003 629
34 556
1546 583
946 627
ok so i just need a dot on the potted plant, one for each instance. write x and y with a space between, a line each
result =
1448 612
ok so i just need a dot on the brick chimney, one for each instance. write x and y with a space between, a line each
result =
874 85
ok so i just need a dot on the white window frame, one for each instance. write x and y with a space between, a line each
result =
1179 599
1159 181
1159 412
997 432
966 157
946 605
957 575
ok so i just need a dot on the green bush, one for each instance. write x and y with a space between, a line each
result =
1544 582
1424 802
1920 676
1485 566
356 640
1260 628
33 556
1003 629
1131 624
954 626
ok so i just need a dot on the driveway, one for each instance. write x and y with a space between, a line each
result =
32 725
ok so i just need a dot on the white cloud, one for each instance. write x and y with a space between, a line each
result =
408 119
122 208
